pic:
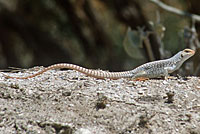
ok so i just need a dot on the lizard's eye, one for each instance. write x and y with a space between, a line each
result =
187 51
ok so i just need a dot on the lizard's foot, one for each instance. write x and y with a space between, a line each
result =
141 79
169 77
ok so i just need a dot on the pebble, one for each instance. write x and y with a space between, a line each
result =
165 82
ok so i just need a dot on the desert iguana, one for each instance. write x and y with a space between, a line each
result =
160 68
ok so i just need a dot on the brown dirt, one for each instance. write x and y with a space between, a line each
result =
65 102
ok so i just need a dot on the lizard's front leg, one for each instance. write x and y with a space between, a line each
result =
166 73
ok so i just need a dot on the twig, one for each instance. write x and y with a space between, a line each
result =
175 10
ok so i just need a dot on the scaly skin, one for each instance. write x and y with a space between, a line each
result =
149 70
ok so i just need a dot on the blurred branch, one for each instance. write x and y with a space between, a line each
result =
145 38
175 10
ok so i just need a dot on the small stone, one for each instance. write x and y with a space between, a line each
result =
165 82
71 105
140 92
170 97
67 93
198 87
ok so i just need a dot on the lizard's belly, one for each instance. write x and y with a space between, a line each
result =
151 73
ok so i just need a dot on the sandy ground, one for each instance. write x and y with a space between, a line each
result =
68 102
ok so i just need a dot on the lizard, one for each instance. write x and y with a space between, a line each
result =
154 69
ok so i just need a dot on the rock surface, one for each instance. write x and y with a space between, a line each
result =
65 102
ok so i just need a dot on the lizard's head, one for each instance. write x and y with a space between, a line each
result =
186 54
182 56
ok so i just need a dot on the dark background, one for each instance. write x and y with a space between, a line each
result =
95 33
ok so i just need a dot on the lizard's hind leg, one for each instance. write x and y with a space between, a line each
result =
141 79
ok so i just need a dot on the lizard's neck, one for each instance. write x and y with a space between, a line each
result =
177 60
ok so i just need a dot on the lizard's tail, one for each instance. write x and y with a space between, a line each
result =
89 72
